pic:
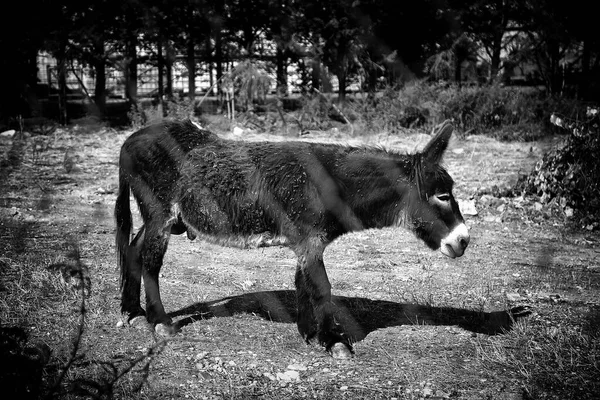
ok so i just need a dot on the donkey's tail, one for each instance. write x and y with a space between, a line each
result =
124 223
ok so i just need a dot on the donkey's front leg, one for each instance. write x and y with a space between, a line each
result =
315 309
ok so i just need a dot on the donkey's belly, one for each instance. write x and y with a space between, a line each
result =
244 226
251 241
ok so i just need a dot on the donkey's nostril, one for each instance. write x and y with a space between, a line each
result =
464 242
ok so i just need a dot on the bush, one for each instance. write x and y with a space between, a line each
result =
173 108
394 110
570 174
507 113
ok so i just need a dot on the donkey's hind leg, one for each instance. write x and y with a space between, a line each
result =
132 313
153 251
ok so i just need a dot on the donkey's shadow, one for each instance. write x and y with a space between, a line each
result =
358 315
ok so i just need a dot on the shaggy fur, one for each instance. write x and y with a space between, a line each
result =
252 194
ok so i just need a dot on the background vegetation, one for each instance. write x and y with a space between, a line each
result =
365 45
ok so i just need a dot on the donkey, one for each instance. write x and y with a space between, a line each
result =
253 194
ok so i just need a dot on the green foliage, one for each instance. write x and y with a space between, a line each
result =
570 174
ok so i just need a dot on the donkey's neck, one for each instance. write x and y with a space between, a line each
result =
378 186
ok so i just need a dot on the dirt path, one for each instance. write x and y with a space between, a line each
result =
424 324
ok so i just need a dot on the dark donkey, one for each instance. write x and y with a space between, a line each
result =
252 194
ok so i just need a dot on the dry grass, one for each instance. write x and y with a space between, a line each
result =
557 359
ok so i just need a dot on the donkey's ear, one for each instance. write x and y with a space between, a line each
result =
434 150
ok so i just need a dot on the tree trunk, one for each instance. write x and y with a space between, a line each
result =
160 63
554 71
586 77
169 69
218 57
62 88
316 73
100 87
218 35
495 61
372 77
131 71
342 82
209 61
281 70
458 71
191 66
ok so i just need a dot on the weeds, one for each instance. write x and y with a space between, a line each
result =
556 358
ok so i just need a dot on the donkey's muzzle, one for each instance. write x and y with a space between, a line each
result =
456 242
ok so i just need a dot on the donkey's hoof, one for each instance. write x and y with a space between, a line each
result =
139 322
340 351
165 330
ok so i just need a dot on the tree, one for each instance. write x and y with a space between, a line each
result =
94 42
19 51
488 23
336 38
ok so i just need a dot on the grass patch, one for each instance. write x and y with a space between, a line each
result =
557 358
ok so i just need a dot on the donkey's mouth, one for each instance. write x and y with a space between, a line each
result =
448 251
456 242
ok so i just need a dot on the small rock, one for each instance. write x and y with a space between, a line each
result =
247 284
501 208
269 376
568 212
297 367
538 206
485 199
555 298
343 387
8 133
514 297
467 207
492 218
458 151
288 376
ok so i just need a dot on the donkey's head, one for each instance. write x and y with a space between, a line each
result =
436 218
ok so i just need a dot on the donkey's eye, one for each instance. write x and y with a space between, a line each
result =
443 197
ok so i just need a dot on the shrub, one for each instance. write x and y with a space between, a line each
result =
570 173
173 108
394 109
507 113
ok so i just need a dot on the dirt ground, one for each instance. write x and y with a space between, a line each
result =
425 326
